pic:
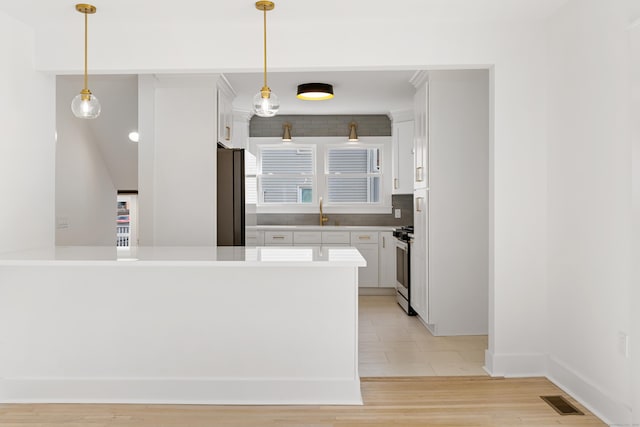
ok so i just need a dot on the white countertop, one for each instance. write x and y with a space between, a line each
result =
236 256
324 227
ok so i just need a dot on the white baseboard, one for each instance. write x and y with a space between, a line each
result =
516 365
594 398
182 391
376 291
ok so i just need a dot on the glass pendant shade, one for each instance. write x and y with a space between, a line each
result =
266 106
85 106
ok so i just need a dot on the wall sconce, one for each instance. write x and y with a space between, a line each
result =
353 135
286 136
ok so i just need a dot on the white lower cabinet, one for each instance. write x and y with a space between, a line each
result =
377 248
336 238
278 238
419 255
307 238
386 260
367 243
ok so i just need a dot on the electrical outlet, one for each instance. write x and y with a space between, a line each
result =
397 213
62 222
623 344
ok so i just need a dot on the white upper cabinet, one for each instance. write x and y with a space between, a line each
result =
421 131
225 112
403 162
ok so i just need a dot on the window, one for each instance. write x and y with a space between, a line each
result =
353 175
350 177
286 175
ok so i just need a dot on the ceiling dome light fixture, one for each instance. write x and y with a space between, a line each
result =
85 105
315 91
134 136
265 103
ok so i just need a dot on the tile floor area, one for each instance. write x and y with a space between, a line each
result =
394 344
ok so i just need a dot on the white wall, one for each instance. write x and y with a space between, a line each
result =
27 143
589 180
459 201
86 199
177 156
589 204
515 50
634 36
118 97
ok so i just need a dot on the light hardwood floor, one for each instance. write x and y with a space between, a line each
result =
387 335
417 401
393 344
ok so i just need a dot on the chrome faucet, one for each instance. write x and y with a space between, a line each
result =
323 218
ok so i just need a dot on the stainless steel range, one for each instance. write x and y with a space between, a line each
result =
404 237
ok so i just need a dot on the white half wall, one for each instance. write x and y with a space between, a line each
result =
27 142
177 160
459 201
589 205
86 199
179 332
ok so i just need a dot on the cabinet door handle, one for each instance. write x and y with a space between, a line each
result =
395 183
227 136
419 204
383 242
419 177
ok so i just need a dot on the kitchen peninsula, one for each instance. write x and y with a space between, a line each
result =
226 325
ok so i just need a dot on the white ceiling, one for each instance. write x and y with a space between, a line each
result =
40 13
356 92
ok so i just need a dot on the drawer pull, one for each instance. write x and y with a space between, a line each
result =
395 183
364 237
277 237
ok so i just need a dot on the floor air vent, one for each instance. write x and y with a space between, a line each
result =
561 405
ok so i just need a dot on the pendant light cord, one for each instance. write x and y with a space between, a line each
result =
264 9
86 79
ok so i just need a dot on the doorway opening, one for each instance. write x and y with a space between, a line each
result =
127 220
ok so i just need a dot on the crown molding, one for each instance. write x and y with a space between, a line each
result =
419 78
401 115
239 114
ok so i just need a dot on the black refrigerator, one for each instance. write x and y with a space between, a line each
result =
231 210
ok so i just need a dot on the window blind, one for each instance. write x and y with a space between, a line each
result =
286 175
353 175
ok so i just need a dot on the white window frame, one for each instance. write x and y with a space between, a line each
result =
283 207
329 147
320 146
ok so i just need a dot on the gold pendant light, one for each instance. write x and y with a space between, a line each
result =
265 103
85 105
